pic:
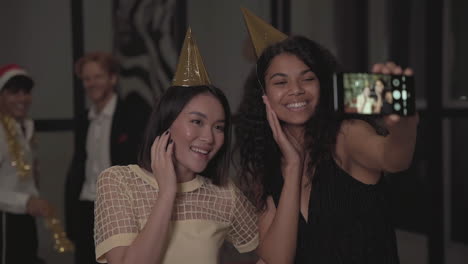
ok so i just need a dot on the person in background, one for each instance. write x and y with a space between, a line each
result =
364 102
20 202
377 94
387 105
108 133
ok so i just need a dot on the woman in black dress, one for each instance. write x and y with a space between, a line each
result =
316 177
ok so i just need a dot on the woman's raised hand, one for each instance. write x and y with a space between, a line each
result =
392 68
289 146
162 164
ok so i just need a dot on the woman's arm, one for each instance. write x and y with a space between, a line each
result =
362 146
278 226
150 244
365 148
400 143
377 105
360 103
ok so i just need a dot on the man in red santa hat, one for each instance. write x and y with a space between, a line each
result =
19 198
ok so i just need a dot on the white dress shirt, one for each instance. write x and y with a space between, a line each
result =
15 192
97 147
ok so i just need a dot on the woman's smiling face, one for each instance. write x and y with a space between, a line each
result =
292 88
198 133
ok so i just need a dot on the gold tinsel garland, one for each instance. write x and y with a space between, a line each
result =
16 151
61 242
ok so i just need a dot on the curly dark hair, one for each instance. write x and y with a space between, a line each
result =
259 155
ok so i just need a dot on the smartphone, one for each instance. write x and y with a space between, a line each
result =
357 93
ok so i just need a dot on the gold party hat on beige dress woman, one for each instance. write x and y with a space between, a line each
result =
261 33
190 69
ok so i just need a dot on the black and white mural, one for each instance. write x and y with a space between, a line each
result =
147 38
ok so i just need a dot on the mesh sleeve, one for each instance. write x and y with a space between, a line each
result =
115 224
243 232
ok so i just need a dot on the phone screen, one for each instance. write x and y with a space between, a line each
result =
374 94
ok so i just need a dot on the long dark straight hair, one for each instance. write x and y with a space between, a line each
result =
167 110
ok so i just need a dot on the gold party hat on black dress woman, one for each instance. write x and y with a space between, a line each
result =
261 33
190 69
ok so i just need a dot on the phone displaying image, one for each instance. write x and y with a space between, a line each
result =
374 94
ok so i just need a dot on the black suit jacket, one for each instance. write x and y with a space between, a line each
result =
128 125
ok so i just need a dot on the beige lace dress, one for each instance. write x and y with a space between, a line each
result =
204 215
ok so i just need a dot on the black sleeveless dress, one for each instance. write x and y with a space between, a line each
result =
348 221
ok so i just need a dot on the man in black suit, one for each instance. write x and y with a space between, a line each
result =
108 134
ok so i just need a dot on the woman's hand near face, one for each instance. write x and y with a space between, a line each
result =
151 243
278 224
293 158
162 164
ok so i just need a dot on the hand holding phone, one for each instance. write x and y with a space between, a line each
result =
374 94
